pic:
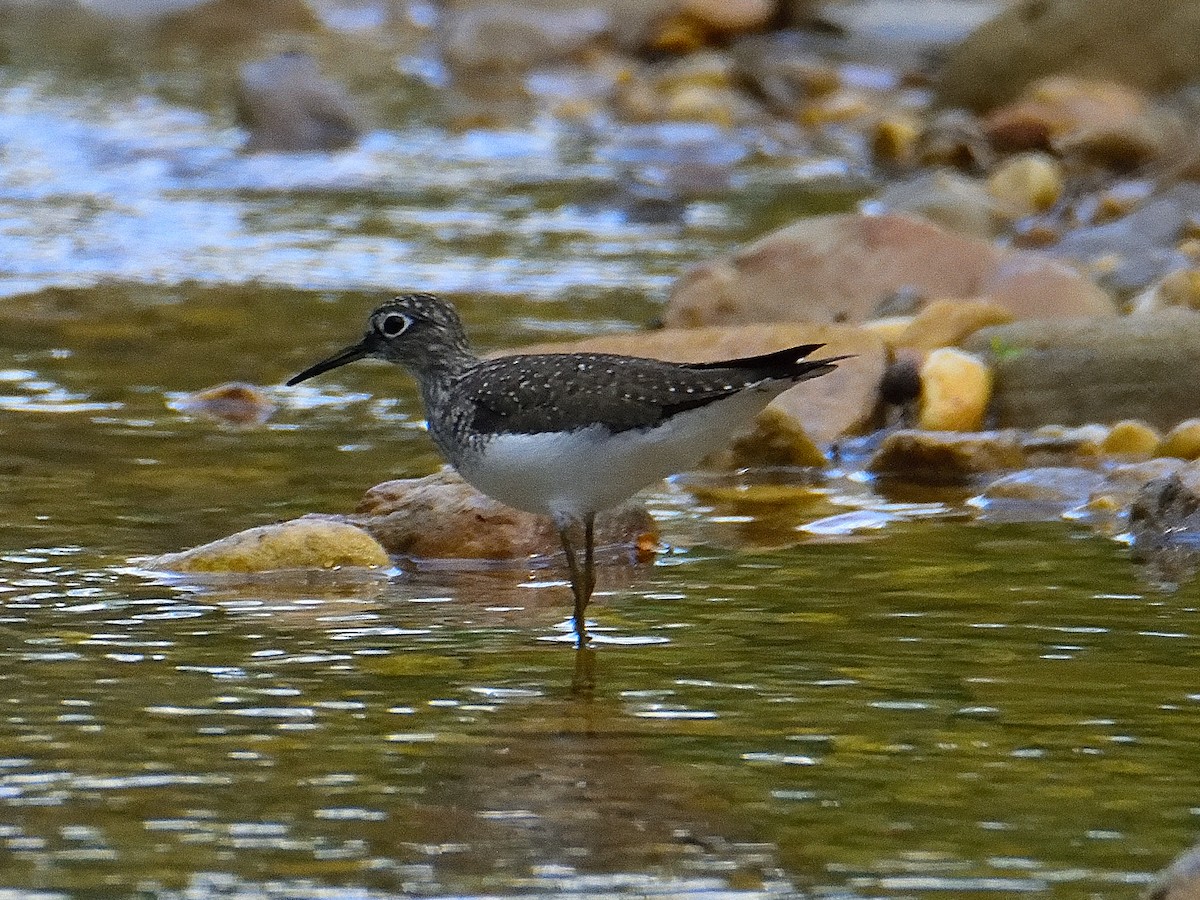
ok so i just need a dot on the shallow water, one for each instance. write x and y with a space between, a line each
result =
933 707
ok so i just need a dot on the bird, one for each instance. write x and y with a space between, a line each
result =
568 435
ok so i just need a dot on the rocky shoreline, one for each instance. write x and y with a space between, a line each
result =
1019 284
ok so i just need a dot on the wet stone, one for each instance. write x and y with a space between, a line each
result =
305 543
1038 494
945 456
440 516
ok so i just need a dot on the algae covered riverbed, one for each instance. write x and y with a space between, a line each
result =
939 707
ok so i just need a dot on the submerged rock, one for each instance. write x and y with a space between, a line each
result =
1180 880
1164 521
235 403
947 456
1061 486
824 409
305 543
289 107
846 267
440 516
1103 370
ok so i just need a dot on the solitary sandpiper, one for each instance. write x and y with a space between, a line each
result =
569 434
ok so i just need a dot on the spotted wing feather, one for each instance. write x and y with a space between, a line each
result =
534 394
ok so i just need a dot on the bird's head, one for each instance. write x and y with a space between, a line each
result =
417 331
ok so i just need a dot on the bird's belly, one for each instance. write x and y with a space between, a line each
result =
574 474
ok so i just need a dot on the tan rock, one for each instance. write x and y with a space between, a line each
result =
1132 439
442 517
235 403
947 455
843 267
1182 441
890 329
895 140
842 402
1179 288
730 16
778 439
1027 184
955 390
306 543
1060 106
947 323
1150 44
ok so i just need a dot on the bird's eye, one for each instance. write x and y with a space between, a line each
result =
394 324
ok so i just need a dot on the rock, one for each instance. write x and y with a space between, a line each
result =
442 517
955 138
1055 108
1061 486
1027 184
844 267
305 543
1103 370
727 17
947 456
1180 880
825 408
289 107
1054 445
778 440
953 201
955 389
947 323
1182 441
700 87
1135 249
781 68
517 36
1164 522
1179 288
235 403
1132 439
896 139
221 25
1150 45
1037 494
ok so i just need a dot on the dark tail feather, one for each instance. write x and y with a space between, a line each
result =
789 363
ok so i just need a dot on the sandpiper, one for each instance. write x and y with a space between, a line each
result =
568 435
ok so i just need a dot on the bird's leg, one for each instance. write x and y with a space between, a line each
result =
589 558
577 583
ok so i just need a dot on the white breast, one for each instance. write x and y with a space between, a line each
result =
570 475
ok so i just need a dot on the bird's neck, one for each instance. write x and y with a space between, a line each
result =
438 370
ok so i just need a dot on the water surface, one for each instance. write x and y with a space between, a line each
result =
931 708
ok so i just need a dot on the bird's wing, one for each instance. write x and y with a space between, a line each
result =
533 394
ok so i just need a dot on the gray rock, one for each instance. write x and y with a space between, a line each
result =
1149 44
289 107
1074 372
1180 880
1164 522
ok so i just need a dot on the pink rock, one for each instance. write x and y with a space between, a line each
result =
844 267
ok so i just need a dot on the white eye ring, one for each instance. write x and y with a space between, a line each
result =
394 325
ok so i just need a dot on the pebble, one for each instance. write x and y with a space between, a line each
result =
955 390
